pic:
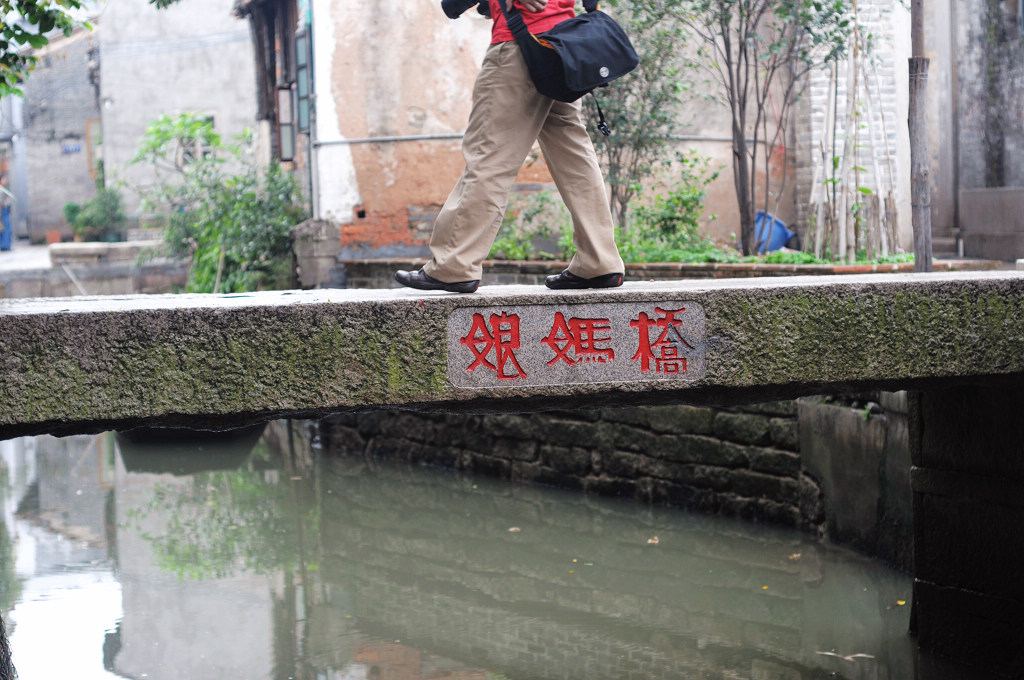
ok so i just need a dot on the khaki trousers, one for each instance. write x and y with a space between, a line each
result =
508 115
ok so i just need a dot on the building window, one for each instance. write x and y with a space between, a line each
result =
285 124
304 78
191 149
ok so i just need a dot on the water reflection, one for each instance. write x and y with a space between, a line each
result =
272 562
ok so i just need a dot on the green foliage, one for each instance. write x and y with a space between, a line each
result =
536 226
785 257
643 107
635 246
230 216
224 522
756 52
681 210
897 258
38 18
665 229
800 257
668 227
98 217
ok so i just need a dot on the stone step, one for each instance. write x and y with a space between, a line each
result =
944 245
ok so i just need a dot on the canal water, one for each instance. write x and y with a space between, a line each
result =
258 557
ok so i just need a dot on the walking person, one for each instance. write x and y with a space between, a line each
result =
507 117
6 200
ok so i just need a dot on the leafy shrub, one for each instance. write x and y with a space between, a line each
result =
679 213
536 226
98 217
667 228
785 257
231 217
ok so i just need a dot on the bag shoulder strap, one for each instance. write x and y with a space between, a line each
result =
512 15
521 32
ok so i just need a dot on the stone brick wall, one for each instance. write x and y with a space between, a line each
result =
741 462
990 79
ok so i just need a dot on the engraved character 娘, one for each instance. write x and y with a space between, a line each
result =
502 336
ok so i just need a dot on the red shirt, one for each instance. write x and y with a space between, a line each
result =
555 13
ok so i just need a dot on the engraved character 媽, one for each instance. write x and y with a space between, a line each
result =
579 340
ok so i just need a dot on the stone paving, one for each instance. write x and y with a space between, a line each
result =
24 255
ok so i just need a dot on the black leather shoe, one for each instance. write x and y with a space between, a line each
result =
568 280
421 280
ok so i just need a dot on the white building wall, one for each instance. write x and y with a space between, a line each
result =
404 73
337 184
194 56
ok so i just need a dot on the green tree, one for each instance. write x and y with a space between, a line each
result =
758 52
25 24
643 107
230 216
29 24
218 524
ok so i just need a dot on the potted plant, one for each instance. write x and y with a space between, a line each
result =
101 218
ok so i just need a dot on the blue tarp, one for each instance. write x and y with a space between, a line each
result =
779 233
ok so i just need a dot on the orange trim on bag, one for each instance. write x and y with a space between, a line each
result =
544 43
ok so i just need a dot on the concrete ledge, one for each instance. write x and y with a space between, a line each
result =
108 278
378 272
218 361
94 252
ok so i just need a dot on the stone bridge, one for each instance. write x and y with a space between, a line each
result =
89 364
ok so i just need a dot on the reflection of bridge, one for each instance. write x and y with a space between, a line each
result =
217 361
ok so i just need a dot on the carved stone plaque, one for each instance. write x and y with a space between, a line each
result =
533 345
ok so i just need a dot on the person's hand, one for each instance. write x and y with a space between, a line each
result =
529 5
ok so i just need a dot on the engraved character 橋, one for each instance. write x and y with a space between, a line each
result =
667 351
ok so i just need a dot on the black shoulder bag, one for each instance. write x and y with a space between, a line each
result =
576 56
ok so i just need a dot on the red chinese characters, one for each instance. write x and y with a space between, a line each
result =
665 351
501 337
548 344
580 337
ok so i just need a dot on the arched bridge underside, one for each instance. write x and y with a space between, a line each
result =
219 361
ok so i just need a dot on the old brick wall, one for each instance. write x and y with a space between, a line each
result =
741 462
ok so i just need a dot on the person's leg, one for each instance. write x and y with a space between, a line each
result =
507 114
5 235
573 163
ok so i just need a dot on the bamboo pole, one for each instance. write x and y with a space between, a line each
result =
847 233
818 193
876 168
920 188
891 214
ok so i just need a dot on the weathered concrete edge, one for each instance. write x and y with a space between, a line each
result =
84 364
